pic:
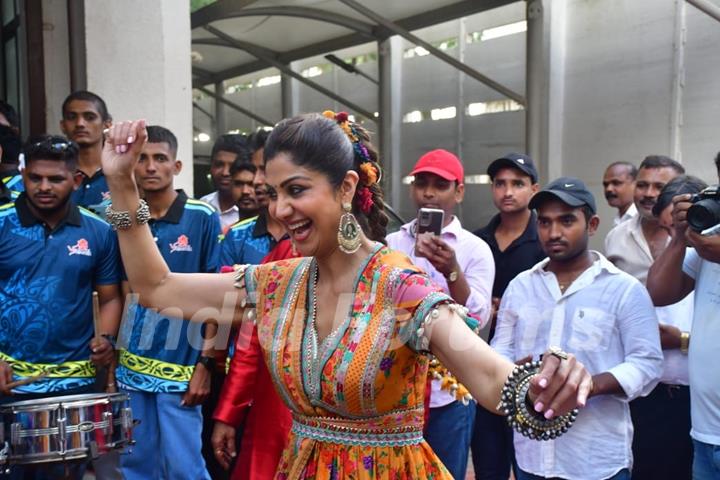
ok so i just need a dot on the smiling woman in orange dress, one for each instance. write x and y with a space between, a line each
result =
348 330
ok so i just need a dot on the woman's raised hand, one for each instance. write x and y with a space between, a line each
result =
123 143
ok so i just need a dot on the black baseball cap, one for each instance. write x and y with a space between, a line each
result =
569 190
514 160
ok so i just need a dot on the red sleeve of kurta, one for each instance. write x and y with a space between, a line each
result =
238 390
237 393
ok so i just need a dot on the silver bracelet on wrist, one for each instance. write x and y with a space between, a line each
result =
123 220
521 416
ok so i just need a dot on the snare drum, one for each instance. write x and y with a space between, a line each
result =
58 429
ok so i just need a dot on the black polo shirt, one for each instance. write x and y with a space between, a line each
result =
524 252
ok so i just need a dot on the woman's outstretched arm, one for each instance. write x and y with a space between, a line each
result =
559 387
199 296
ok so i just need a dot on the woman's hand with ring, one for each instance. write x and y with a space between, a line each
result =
562 384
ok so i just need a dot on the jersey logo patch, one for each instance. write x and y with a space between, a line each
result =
105 196
80 248
182 245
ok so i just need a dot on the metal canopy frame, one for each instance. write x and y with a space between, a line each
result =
235 106
269 56
224 8
350 23
706 6
385 32
436 52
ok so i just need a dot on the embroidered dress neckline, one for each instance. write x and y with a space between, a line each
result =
316 352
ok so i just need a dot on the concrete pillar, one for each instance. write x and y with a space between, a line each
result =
678 84
545 90
220 124
56 53
290 89
390 75
138 60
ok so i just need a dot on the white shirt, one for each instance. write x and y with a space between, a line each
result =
703 356
675 364
627 247
605 318
227 217
477 264
629 213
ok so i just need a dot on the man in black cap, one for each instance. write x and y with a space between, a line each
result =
512 237
580 302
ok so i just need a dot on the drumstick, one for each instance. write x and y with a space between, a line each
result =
96 314
101 373
25 381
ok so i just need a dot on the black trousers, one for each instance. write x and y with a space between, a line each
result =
662 447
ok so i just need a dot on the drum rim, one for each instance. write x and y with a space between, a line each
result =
48 457
67 401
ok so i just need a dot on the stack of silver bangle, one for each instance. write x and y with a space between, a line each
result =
521 416
122 220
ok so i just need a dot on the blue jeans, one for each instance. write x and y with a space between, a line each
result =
168 439
492 446
706 461
623 474
449 432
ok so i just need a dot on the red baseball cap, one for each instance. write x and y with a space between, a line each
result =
441 163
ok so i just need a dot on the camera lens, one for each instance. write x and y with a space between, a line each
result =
704 214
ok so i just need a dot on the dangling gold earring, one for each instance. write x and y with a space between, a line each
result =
294 251
348 231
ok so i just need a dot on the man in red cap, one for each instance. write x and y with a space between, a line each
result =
462 264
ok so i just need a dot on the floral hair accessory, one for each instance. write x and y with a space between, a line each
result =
364 200
368 170
368 173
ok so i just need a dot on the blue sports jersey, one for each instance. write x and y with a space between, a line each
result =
14 182
158 353
246 242
93 193
46 283
6 195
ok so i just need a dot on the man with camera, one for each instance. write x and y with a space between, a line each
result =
632 246
462 264
677 272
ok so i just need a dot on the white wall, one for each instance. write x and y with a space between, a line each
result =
138 60
619 75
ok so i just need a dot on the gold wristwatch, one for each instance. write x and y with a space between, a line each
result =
684 342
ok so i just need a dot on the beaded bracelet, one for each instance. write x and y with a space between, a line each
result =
122 220
521 416
246 304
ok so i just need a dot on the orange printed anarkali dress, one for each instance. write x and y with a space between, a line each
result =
356 397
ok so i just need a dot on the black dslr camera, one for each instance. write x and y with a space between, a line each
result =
705 210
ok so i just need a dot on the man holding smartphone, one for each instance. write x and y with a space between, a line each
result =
462 264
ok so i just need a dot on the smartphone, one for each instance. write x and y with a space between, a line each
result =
429 220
